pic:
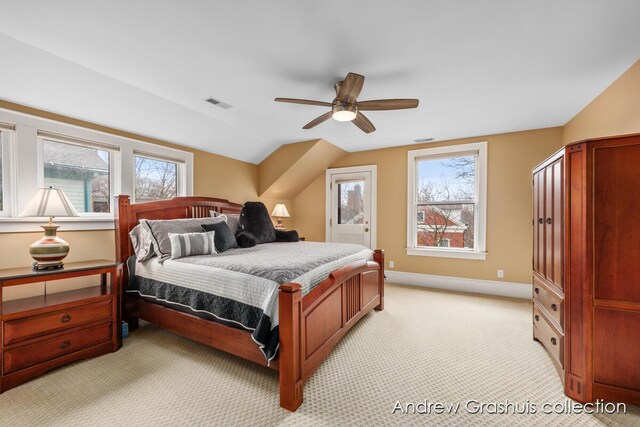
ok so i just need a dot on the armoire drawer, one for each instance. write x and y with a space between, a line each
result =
550 301
553 339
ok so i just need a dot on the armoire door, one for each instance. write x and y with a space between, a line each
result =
553 222
538 222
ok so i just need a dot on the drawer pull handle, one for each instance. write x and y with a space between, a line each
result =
65 318
537 318
65 344
554 307
537 290
548 220
540 220
553 341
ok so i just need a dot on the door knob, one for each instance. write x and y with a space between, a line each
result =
366 229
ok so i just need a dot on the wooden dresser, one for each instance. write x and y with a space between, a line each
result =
548 240
586 283
47 331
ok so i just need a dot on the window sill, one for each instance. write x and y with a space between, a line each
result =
26 225
447 253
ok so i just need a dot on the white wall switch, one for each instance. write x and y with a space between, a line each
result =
500 274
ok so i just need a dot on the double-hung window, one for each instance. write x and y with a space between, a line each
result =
447 201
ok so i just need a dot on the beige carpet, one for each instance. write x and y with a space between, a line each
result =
431 345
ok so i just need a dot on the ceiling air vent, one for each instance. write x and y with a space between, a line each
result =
219 103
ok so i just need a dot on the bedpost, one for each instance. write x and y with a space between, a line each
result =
121 219
290 365
378 256
123 251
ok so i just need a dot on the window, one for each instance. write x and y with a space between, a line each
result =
155 179
447 193
6 134
2 180
89 165
83 172
351 203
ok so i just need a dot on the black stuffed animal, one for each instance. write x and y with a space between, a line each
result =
256 226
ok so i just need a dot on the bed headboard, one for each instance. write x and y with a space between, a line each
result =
128 215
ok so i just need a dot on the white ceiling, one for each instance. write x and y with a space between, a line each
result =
478 67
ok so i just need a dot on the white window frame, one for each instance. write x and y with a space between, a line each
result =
27 170
480 211
8 180
180 171
114 168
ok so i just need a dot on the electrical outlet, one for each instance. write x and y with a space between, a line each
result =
500 274
392 264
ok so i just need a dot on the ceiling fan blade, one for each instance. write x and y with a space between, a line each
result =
350 88
317 120
363 123
387 104
303 101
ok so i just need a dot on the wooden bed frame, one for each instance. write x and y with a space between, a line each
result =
310 326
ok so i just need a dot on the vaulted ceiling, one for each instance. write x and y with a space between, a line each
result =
478 67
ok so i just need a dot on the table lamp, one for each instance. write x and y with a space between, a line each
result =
50 250
280 211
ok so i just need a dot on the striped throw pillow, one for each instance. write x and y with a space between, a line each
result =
190 244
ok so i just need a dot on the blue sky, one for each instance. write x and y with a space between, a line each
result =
438 172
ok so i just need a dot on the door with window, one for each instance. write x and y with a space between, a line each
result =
350 207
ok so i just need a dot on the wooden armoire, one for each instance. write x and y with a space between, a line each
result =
586 267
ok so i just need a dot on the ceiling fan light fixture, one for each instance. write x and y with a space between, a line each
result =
344 113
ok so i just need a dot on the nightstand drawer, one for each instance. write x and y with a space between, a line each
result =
52 348
30 327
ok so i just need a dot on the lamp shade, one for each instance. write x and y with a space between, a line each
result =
51 202
280 211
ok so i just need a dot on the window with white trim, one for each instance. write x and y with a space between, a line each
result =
6 135
83 170
155 178
447 201
89 165
2 172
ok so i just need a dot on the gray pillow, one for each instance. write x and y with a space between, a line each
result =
160 230
142 243
233 219
225 239
191 244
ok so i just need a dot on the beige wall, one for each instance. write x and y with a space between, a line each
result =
616 111
511 158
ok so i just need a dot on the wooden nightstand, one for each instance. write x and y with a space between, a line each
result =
47 331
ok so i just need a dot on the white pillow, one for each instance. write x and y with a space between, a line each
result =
191 244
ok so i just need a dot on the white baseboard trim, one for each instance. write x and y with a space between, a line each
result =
461 284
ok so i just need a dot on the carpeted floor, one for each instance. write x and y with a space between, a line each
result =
438 346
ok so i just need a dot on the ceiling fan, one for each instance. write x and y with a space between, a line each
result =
346 108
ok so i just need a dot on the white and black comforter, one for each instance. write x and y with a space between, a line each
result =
240 286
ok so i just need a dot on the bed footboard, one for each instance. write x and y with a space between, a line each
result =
311 326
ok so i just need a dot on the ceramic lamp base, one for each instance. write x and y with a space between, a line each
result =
50 250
